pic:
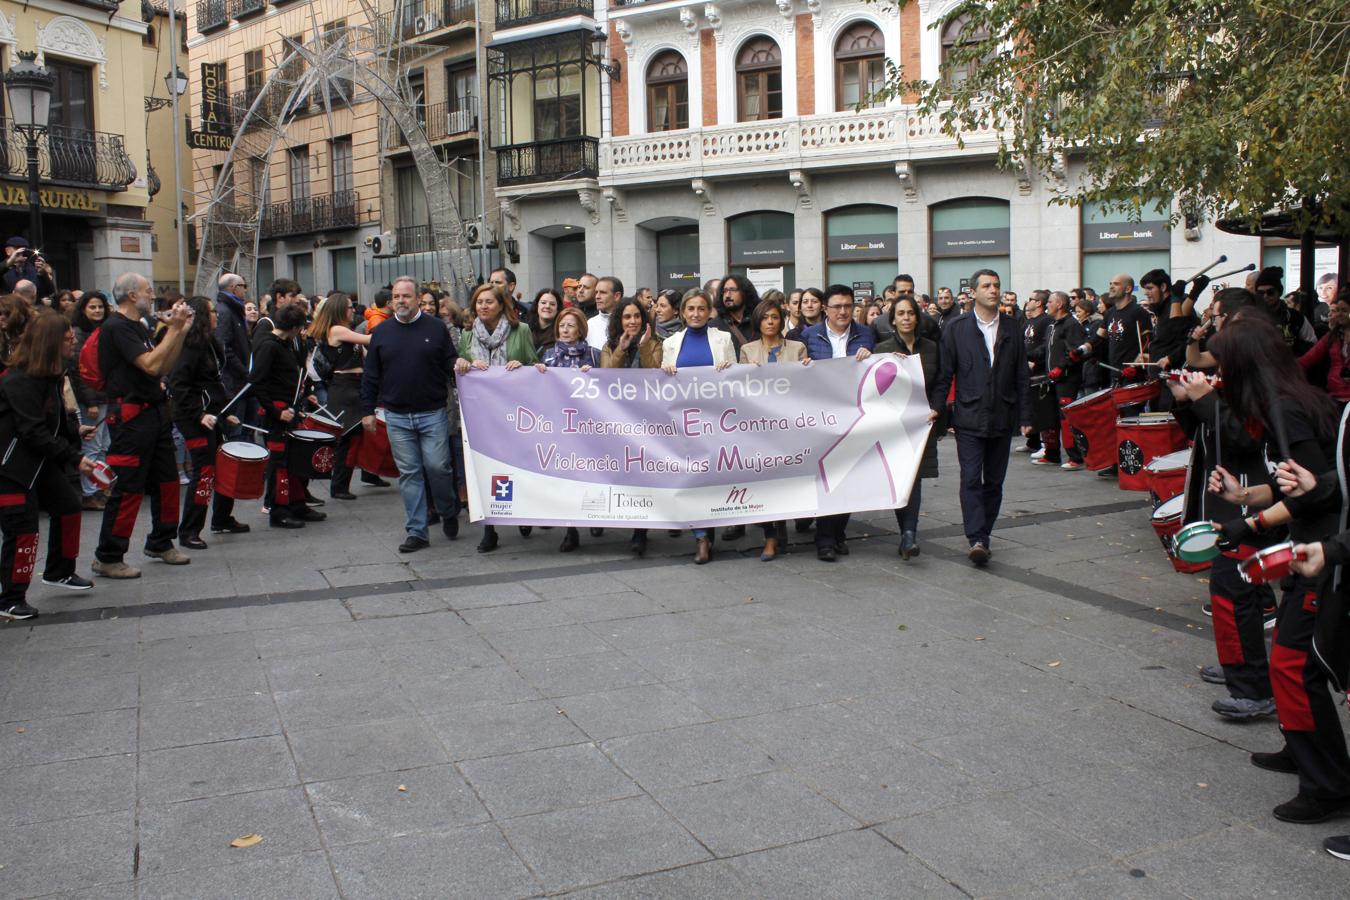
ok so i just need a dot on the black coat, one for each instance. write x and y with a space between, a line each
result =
990 400
929 354
34 428
195 386
232 330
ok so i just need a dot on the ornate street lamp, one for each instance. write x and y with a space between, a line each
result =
599 49
30 94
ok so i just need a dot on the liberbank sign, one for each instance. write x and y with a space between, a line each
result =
1151 235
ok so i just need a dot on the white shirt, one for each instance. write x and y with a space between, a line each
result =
838 342
597 330
990 331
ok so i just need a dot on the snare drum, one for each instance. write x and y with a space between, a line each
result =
373 453
309 454
1197 542
317 422
1135 394
1166 522
1166 475
240 467
1270 564
1092 421
1140 440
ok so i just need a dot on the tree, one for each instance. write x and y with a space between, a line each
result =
1231 107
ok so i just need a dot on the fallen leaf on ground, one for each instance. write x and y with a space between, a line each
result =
403 787
247 840
1053 665
20 730
980 638
902 628
1201 784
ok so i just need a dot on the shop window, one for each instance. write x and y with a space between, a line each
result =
569 257
859 66
1115 241
860 247
761 247
759 81
677 259
968 234
667 93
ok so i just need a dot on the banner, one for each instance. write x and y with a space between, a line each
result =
638 448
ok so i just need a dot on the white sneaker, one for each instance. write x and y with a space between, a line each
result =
1039 454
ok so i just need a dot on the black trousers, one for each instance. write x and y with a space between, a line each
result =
285 495
52 492
984 464
344 396
830 530
142 455
1239 629
201 490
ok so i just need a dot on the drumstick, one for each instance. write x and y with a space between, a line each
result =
253 428
1223 258
241 393
1249 267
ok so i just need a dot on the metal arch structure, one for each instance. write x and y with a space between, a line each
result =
330 66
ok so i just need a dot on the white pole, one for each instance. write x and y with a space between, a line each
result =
179 224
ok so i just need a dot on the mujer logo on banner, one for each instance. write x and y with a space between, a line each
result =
882 399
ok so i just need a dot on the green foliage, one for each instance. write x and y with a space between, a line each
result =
1229 106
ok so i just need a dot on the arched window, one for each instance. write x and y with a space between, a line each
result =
859 66
759 81
667 92
955 34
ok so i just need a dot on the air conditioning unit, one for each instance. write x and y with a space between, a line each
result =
471 232
384 244
458 121
429 22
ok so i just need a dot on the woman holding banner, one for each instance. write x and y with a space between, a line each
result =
497 338
569 350
905 317
697 345
630 345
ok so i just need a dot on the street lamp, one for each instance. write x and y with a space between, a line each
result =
599 47
176 83
30 94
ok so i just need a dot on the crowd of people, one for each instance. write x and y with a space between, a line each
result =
106 400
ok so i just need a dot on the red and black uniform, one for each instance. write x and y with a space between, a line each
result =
277 378
38 446
197 390
1128 330
1066 374
141 449
1238 607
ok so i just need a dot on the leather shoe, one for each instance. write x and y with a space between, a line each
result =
311 500
597 532
638 547
979 554
231 527
908 546
841 548
1310 810
373 480
192 542
1279 761
413 544
526 530
825 554
342 495
312 515
488 543
571 541
702 551
450 527
285 522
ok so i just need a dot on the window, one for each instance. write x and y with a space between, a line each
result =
859 67
297 167
968 234
343 262
417 93
302 270
463 174
860 247
759 81
340 150
253 72
761 246
412 199
148 39
557 103
461 84
72 105
667 93
569 257
954 36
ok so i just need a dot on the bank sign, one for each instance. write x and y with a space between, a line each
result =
1150 235
971 242
862 246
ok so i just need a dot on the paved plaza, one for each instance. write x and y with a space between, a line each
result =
526 723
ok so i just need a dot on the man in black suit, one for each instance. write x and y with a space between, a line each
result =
983 351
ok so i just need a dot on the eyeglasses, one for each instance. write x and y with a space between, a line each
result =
731 290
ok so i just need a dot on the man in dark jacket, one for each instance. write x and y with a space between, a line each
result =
984 353
232 331
22 263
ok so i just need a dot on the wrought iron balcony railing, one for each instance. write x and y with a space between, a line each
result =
104 5
68 156
548 160
415 239
441 121
325 212
419 17
212 15
242 9
511 13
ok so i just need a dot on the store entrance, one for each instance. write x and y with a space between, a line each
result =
62 237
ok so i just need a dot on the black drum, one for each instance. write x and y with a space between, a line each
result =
309 454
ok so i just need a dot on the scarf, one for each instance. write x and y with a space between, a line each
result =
491 347
665 329
571 355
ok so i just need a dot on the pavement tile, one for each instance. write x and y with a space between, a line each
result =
811 733
1117 882
753 812
74 664
370 573
207 721
65 790
631 710
679 660
1221 776
583 674
196 834
36 741
293 673
706 879
342 704
390 804
691 754
328 753
511 728
630 634
589 585
887 784
604 607
171 654
544 614
67 635
594 844
471 862
204 682
402 603
488 595
1010 758
298 640
413 629
544 780
852 864
1250 857
305 876
191 624
208 770
547 643
68 855
486 686
44 700
431 659
992 845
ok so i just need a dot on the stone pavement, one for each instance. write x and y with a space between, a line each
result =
525 723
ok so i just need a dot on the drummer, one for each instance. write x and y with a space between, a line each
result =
341 346
277 377
197 395
1121 342
1062 334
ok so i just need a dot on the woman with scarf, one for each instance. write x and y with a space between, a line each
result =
542 318
569 351
496 338
666 314
1331 354
86 318
905 318
198 396
630 344
697 345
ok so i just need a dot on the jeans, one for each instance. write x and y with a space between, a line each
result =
421 441
907 516
984 463
96 447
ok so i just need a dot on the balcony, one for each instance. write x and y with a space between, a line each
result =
306 215
454 119
826 141
242 9
68 156
511 13
415 239
212 15
425 19
101 5
548 160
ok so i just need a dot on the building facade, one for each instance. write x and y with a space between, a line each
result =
170 203
92 159
742 137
